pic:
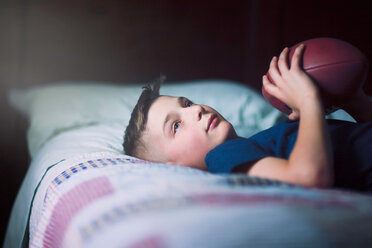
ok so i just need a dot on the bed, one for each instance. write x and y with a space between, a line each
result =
82 191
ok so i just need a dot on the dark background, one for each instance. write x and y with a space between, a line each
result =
134 41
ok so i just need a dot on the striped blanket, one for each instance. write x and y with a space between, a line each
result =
112 200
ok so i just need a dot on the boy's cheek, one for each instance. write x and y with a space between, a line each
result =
191 148
195 147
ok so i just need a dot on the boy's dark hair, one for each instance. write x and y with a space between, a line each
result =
138 119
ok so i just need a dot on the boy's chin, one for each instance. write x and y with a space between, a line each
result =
231 134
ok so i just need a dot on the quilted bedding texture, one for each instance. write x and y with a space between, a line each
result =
102 199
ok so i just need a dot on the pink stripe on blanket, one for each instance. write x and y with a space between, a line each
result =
152 241
70 204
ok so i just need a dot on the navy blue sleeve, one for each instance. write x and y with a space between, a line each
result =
229 154
277 141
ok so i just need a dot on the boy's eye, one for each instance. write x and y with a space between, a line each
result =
189 103
176 125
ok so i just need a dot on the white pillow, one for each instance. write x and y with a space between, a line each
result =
62 106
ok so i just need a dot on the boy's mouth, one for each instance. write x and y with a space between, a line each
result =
212 122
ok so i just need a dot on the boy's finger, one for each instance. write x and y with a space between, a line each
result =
273 70
293 116
297 56
283 65
274 63
270 88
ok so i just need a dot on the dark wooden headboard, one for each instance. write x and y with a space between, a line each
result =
42 41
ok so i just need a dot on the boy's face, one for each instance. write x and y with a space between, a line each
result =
180 132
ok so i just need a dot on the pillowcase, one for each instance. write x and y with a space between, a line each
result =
67 105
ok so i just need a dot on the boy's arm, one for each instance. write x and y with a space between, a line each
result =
310 162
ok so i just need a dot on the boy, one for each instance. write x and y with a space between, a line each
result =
302 149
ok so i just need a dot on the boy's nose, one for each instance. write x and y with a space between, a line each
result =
198 111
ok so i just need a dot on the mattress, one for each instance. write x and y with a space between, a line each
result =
82 191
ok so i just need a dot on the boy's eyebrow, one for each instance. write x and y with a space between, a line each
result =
180 101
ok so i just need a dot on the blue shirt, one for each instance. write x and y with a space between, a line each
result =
351 144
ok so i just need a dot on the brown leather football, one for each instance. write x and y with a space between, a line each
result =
337 67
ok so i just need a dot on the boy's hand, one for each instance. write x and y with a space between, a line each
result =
292 85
